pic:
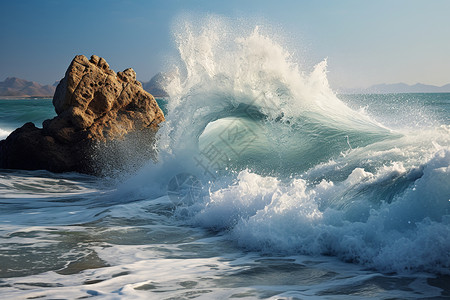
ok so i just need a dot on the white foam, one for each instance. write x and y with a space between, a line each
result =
222 69
365 203
410 233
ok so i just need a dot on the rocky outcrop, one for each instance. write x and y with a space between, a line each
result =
94 106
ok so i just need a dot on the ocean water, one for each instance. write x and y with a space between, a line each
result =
267 185
16 112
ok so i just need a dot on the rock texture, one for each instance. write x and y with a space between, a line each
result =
94 106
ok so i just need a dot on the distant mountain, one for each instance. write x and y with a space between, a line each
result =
156 85
16 87
399 88
13 86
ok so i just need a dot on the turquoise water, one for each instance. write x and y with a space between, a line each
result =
267 185
16 112
398 110
69 234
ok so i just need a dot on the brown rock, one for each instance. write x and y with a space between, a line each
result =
93 105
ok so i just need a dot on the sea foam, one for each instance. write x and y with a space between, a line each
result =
316 178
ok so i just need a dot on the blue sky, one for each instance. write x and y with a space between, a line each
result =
366 42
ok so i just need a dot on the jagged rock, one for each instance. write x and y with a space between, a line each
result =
94 106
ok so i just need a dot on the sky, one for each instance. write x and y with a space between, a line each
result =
365 42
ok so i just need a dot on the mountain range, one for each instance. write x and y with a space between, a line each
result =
156 85
16 87
398 88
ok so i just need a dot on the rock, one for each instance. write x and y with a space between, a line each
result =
28 148
94 106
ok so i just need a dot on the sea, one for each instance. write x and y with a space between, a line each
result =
267 185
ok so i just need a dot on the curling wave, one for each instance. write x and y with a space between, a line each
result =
287 167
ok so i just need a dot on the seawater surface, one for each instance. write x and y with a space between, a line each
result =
267 185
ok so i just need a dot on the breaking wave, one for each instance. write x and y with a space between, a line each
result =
277 161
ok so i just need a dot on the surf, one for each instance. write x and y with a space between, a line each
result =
258 148
266 184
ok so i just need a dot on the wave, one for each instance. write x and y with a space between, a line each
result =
255 146
394 219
